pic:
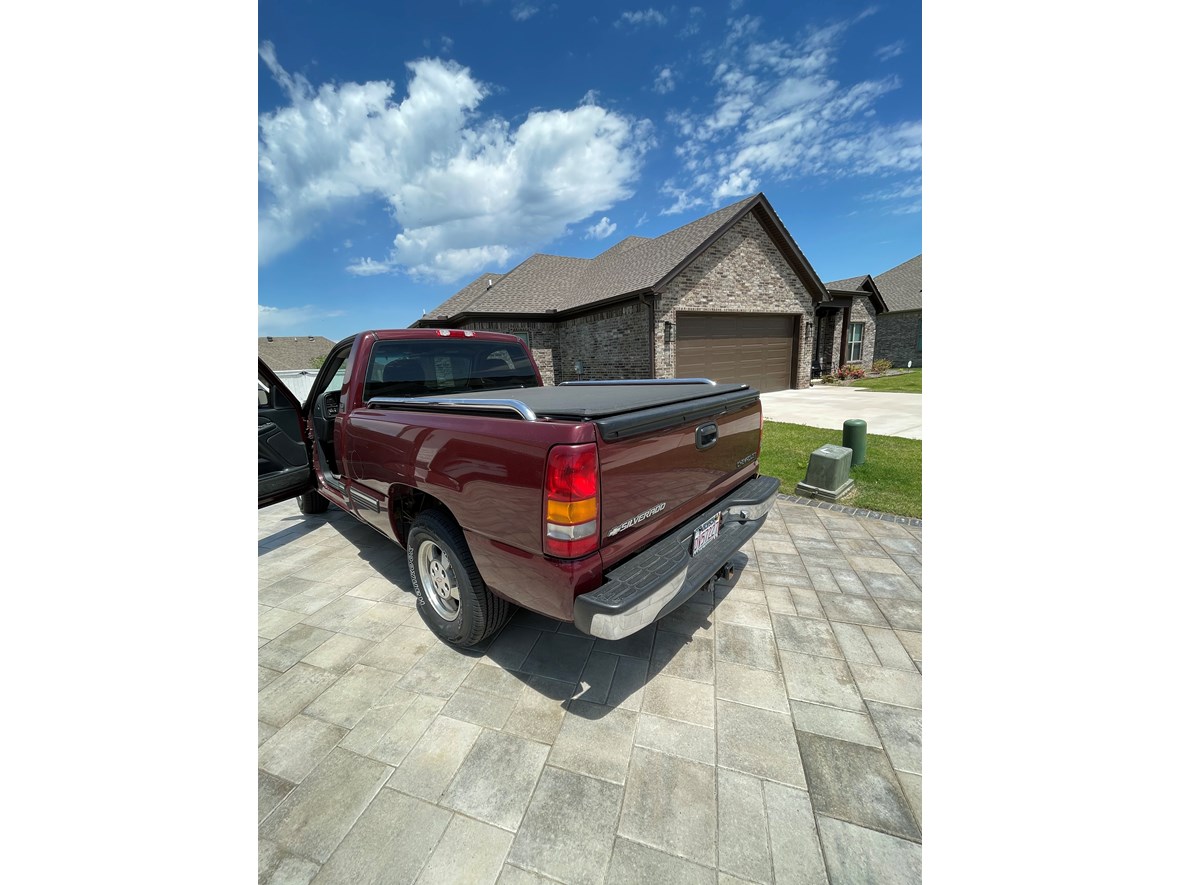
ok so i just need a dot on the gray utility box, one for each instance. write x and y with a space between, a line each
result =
827 474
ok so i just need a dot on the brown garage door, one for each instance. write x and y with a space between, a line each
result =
754 349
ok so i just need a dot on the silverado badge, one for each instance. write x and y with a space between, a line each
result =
638 518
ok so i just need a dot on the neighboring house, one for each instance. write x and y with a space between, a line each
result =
729 296
295 359
897 331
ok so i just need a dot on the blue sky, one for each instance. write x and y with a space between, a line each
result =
405 149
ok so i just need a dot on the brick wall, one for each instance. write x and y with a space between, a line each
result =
831 330
897 337
610 343
743 272
862 312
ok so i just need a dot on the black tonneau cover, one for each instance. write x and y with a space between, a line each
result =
592 402
618 409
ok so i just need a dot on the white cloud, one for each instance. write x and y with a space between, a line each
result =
684 201
695 16
904 198
523 11
367 267
893 50
741 183
779 112
277 320
901 191
465 190
642 17
665 83
600 231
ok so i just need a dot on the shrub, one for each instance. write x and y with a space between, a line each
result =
828 379
849 371
882 365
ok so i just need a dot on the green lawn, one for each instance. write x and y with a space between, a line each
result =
890 480
910 382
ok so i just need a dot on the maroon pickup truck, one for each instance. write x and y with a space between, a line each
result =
606 504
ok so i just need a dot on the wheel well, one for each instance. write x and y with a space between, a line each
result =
405 504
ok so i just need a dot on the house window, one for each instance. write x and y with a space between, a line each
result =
856 335
523 336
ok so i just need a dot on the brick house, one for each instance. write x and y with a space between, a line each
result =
729 296
896 295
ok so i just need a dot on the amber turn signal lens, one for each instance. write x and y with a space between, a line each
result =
572 512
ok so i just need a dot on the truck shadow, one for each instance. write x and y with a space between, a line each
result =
296 527
590 677
587 676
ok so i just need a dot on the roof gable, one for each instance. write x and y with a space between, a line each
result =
858 286
851 284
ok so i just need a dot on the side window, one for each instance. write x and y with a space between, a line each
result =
264 394
856 334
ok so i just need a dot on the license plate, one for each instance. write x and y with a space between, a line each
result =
706 533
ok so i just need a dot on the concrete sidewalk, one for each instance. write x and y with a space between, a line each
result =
769 731
825 405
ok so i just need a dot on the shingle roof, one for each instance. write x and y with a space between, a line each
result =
466 295
901 287
851 284
547 283
294 352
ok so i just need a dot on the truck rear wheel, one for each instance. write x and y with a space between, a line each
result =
312 502
452 597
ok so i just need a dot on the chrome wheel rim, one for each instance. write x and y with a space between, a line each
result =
440 584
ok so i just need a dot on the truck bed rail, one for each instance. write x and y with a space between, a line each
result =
448 403
638 381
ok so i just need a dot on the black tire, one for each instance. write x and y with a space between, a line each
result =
452 598
312 502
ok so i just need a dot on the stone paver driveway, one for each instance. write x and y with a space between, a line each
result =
769 731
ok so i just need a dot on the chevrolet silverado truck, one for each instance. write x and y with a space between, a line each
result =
602 503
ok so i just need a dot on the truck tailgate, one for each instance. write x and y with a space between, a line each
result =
660 465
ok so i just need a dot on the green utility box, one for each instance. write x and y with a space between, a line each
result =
856 438
827 474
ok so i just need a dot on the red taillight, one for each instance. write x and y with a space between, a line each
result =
571 501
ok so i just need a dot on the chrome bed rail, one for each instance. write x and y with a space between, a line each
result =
447 403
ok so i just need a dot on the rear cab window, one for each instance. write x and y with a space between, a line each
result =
440 366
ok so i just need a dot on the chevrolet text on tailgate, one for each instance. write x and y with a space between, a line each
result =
602 503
